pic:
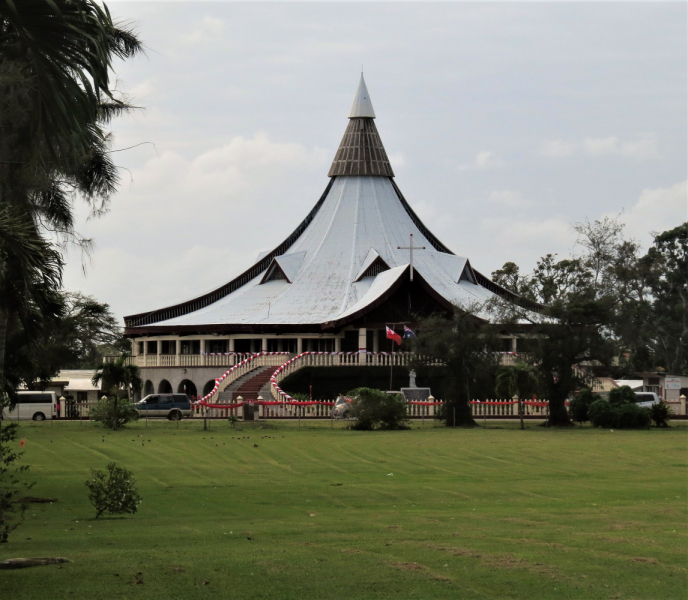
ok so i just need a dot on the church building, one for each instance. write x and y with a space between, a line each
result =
360 261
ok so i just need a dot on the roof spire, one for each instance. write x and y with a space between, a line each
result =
361 151
362 106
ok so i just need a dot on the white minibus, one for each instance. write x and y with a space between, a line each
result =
37 406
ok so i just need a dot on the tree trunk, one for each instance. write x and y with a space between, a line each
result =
458 414
558 415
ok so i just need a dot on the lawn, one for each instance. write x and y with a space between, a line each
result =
318 513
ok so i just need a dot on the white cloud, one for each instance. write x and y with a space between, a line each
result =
209 29
643 148
657 210
558 148
640 149
396 159
508 198
483 159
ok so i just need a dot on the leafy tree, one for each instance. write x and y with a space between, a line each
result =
518 381
373 409
623 394
118 376
55 101
113 412
78 338
114 492
668 330
466 349
646 297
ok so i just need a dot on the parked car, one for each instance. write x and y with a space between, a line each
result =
342 407
37 406
646 399
172 406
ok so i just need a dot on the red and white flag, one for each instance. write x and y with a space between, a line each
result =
392 335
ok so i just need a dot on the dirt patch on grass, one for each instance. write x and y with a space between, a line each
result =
643 559
407 566
453 550
541 543
442 578
525 522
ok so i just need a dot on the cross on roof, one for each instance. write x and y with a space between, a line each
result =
411 248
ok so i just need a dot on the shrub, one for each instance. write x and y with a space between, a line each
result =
660 413
602 414
579 406
621 395
113 413
374 409
618 416
114 492
632 416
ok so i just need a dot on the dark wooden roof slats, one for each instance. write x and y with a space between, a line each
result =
361 151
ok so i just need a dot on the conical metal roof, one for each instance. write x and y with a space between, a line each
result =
361 219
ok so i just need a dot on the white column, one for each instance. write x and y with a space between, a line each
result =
299 345
159 347
337 348
231 344
202 351
362 341
513 344
264 345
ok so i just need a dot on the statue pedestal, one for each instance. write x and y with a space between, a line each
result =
416 394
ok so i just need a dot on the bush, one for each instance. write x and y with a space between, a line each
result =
579 406
618 416
602 414
113 413
660 413
114 492
374 409
621 395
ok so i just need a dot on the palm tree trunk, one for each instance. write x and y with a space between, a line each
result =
3 338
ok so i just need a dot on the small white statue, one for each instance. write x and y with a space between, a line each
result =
412 378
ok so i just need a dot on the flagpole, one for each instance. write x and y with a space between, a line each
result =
391 365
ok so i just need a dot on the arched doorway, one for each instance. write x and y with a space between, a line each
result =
164 387
187 387
148 388
208 387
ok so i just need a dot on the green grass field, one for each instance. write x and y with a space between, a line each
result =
321 513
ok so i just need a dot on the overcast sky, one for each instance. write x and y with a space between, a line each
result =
505 123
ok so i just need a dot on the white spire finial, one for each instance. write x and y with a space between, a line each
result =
362 106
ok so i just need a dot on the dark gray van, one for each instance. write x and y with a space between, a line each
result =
172 406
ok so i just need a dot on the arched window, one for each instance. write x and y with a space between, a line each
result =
208 387
164 387
148 388
187 387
